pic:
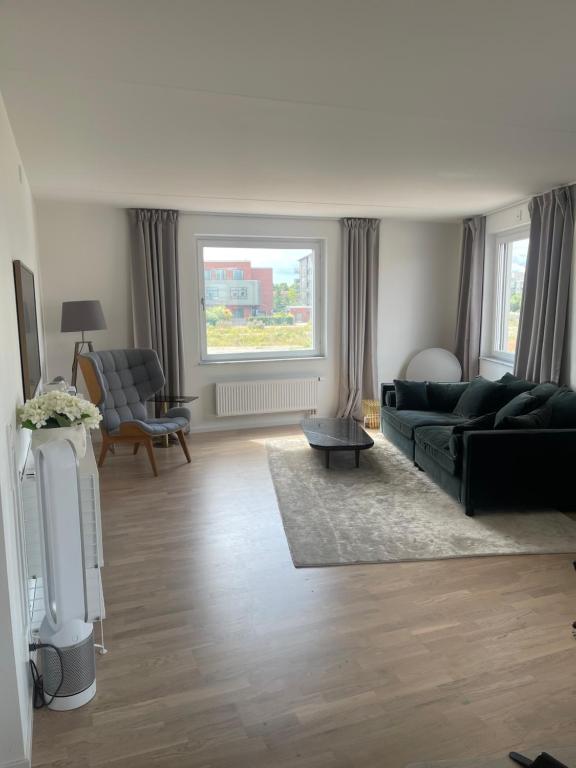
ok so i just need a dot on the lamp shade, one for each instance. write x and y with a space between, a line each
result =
82 316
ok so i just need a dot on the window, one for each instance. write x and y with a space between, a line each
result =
511 252
270 308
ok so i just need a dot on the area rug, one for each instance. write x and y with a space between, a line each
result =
388 511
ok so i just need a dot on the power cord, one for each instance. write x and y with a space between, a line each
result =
39 700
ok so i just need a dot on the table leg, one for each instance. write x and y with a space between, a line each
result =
327 459
164 412
357 458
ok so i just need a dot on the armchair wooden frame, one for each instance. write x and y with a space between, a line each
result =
128 433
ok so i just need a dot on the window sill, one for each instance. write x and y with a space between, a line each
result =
498 361
262 360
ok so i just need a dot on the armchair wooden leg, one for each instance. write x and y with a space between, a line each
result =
184 445
136 446
103 451
150 450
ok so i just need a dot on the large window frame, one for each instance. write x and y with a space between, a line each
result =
500 266
317 246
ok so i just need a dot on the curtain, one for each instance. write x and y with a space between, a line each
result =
360 239
156 290
469 317
544 312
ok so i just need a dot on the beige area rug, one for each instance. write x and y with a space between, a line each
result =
388 511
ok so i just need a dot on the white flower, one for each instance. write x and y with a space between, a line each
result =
58 409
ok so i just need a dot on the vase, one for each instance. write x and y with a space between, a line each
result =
76 435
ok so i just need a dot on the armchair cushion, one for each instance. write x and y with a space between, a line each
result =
158 427
179 412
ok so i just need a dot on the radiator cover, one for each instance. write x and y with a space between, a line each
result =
245 398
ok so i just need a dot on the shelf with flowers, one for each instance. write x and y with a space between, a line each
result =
59 416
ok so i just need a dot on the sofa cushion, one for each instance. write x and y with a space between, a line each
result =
435 442
486 421
480 396
443 397
411 395
515 384
563 409
523 403
407 421
545 391
538 419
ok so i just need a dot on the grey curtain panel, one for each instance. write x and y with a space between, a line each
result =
469 317
156 290
360 238
544 312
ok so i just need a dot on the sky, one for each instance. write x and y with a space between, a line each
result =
284 261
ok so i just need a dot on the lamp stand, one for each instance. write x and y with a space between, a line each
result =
79 348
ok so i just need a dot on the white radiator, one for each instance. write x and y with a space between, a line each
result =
242 398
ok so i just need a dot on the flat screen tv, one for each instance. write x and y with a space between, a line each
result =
27 328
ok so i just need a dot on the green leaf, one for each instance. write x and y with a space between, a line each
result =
63 421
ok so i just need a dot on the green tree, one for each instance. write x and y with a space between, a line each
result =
515 302
285 295
217 314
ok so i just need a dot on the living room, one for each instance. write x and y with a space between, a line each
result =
289 203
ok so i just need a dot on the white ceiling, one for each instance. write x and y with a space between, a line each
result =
418 108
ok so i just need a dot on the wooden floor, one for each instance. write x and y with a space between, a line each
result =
223 655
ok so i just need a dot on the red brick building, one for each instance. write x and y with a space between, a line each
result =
245 290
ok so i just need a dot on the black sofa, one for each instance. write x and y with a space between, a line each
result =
517 451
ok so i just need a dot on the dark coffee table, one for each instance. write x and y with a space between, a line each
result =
336 435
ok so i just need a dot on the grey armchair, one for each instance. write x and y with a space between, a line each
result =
119 382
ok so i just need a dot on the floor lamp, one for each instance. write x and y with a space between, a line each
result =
81 316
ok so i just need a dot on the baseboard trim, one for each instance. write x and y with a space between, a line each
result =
26 763
263 423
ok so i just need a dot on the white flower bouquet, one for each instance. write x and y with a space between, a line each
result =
58 409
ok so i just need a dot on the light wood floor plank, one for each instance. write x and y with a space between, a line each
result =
223 655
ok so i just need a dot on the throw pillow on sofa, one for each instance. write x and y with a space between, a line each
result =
545 391
478 424
444 396
518 406
563 409
538 419
515 385
411 395
486 421
480 396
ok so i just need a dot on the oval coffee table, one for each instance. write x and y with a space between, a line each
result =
336 435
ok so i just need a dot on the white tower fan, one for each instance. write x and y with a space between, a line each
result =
69 676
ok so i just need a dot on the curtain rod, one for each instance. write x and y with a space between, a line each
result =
525 199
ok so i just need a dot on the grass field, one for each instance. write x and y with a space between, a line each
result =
246 337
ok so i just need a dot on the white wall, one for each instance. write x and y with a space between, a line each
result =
17 241
84 255
418 290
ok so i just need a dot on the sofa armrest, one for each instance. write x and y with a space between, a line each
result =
390 400
384 388
518 468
